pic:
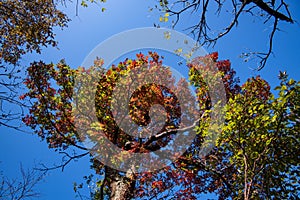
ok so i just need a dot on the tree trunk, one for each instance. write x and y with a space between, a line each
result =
121 186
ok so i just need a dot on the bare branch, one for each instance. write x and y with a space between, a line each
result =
277 9
66 159
11 108
267 55
262 5
231 25
23 188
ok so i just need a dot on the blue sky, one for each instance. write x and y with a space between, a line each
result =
90 28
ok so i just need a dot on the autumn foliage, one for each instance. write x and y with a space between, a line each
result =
27 26
255 157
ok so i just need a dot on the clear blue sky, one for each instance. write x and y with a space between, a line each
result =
90 28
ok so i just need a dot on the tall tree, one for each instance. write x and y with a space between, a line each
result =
257 155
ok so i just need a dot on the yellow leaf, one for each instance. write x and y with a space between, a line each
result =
167 35
178 51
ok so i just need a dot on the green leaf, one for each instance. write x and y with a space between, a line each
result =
84 4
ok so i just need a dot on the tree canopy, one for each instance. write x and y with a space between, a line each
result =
255 157
26 26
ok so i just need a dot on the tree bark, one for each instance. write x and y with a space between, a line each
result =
121 186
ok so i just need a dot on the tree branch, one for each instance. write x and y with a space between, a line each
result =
201 30
66 159
170 132
262 5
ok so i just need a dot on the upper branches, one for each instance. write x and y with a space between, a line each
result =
277 10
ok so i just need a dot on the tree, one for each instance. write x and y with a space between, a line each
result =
208 33
256 156
262 138
240 166
25 27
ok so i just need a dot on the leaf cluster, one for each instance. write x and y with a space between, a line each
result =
27 26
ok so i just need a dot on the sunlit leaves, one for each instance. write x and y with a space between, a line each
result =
85 4
263 140
27 26
164 18
256 156
51 112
